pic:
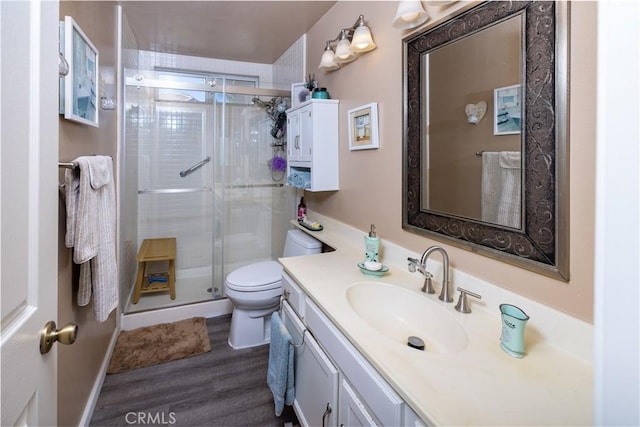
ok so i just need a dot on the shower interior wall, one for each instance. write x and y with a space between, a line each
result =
195 247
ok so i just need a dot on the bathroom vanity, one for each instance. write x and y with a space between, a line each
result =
353 366
335 385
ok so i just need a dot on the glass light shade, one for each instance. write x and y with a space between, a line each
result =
343 52
362 40
328 62
410 14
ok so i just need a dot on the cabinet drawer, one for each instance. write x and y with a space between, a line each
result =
293 294
376 394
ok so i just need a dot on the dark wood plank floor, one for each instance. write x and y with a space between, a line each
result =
223 387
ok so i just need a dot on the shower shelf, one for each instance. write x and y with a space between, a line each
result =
176 190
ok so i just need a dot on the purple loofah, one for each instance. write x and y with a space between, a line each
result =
278 163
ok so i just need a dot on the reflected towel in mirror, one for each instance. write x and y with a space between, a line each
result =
501 178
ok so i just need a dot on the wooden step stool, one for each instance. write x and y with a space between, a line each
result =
156 250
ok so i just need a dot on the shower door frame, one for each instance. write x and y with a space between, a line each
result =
139 81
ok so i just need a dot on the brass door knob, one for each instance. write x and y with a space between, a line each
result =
49 335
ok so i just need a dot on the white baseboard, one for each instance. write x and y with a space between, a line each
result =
97 385
173 314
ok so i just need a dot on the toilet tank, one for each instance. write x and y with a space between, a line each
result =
300 243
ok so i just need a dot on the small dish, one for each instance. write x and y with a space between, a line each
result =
311 225
378 273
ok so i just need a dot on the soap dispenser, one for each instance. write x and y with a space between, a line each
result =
372 245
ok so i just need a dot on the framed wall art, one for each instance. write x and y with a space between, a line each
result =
363 127
79 88
507 108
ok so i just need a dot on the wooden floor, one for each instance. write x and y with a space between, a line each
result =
223 387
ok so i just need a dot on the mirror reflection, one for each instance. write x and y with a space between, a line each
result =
485 99
472 126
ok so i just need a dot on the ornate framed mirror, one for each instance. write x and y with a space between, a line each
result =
485 161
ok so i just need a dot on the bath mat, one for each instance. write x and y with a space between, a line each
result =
161 343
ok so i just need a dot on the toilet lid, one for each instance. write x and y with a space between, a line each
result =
260 276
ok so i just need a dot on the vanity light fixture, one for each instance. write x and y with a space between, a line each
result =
348 45
410 14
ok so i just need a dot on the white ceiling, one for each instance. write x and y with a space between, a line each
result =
251 31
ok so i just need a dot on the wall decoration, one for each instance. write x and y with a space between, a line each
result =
363 127
299 94
507 110
79 88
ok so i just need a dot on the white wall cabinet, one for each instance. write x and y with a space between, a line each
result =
363 397
312 145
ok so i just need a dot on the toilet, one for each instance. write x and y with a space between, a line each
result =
255 291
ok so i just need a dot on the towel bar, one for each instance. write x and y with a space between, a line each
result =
283 298
67 165
304 334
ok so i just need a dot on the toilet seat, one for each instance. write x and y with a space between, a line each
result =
259 276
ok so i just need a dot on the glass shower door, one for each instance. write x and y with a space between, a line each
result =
254 205
174 139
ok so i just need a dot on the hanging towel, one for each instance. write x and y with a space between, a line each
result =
91 231
501 187
509 204
491 186
280 372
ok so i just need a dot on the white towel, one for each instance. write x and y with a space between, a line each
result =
509 204
91 231
501 188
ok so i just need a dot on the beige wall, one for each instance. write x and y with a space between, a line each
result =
371 180
79 364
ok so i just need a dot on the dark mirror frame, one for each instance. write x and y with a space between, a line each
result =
542 245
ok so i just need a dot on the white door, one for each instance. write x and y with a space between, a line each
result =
28 208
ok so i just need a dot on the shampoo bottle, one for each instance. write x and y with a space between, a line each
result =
372 245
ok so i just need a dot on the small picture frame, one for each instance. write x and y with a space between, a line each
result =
363 127
80 86
299 94
507 110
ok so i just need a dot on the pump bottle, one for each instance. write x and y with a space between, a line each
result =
372 245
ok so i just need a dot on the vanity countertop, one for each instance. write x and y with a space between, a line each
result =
479 385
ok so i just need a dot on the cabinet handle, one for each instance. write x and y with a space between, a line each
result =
326 414
297 143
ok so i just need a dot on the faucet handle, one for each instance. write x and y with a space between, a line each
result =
412 264
463 306
428 286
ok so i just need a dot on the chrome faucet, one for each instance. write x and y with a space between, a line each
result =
445 293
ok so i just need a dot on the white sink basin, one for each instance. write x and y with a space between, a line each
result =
399 313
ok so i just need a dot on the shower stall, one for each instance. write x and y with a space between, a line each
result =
203 162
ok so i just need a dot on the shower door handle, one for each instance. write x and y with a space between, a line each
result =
195 167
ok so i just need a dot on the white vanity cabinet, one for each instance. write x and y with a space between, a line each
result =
312 145
363 397
316 378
